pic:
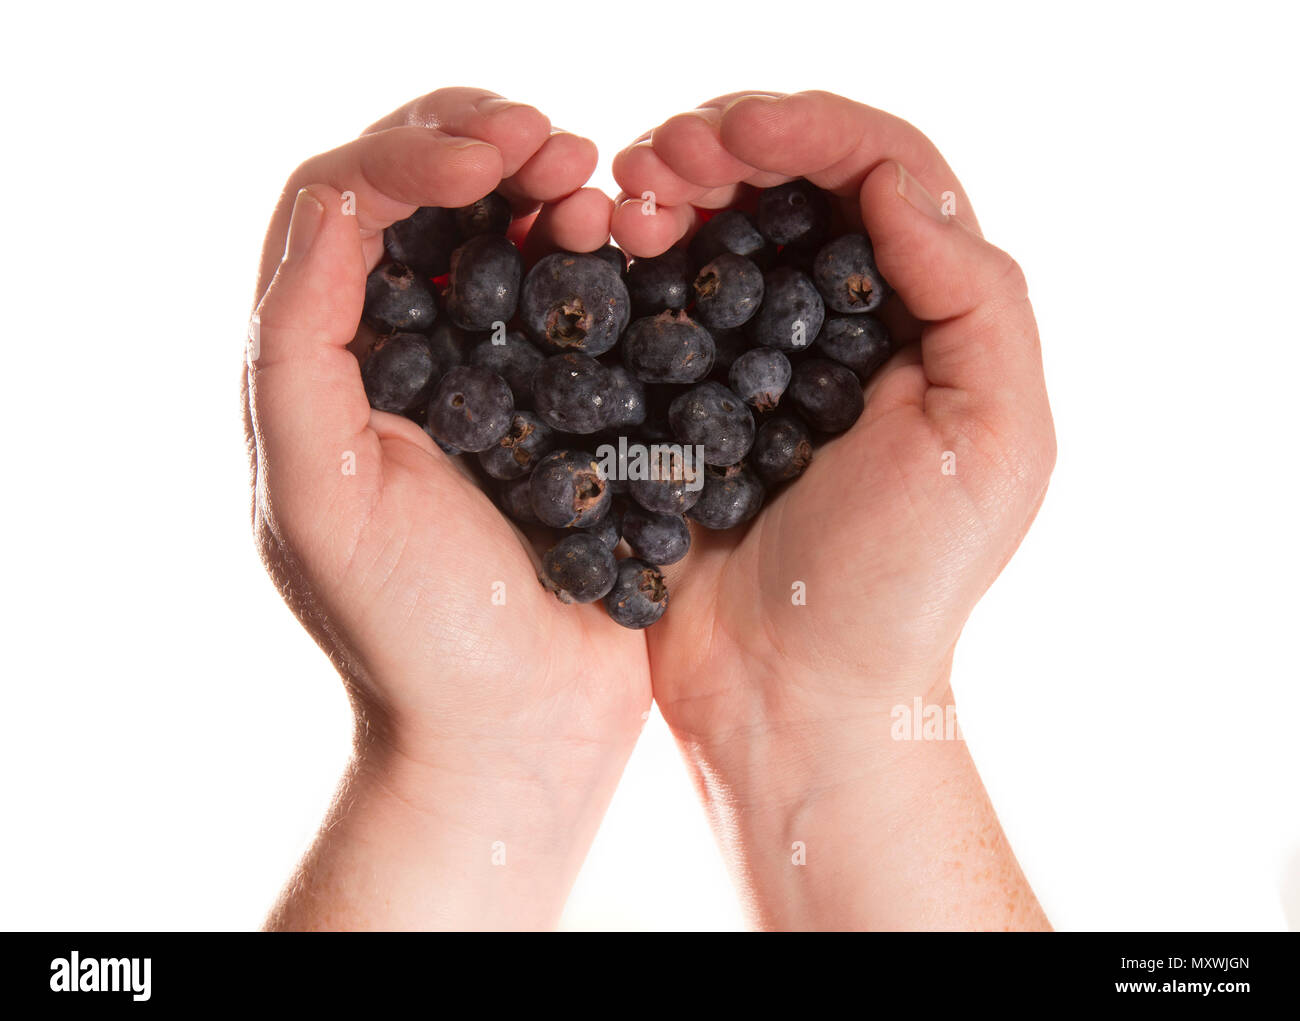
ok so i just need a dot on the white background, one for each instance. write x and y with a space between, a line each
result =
170 735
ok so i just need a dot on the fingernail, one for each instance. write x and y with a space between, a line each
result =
468 143
914 193
493 104
304 225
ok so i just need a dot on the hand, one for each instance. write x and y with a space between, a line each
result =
476 722
779 703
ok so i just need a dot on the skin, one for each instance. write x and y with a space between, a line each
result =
479 724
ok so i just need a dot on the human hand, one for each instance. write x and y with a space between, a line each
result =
893 533
476 722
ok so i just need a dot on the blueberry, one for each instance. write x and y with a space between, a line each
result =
760 376
711 416
489 215
484 286
515 499
424 240
731 496
515 360
574 393
656 538
845 273
673 482
629 400
660 282
638 597
826 394
795 213
614 256
731 231
728 291
579 568
574 302
517 452
567 490
861 342
471 408
668 348
400 373
792 311
450 344
608 529
396 299
782 449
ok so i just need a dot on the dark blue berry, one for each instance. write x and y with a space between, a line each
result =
614 256
450 345
861 342
397 300
845 273
574 393
656 538
515 499
608 529
731 231
760 376
574 302
660 282
579 568
515 360
728 291
639 595
567 490
826 394
517 452
629 400
484 285
424 240
669 347
489 215
672 482
731 496
794 213
782 449
791 314
471 408
711 416
400 373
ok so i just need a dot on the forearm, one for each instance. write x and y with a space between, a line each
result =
836 825
468 843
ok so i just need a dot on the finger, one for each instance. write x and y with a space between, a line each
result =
516 129
833 142
389 174
979 339
578 223
643 228
641 170
559 167
307 403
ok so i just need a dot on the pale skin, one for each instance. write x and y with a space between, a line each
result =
489 733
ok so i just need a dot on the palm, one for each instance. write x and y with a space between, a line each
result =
441 585
871 533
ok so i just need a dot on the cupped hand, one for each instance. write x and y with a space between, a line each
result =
849 590
423 594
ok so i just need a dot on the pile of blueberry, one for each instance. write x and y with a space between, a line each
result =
610 403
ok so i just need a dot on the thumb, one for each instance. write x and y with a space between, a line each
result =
979 334
307 402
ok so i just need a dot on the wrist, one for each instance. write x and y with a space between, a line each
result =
471 835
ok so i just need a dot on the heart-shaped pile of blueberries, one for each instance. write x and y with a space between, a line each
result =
612 402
